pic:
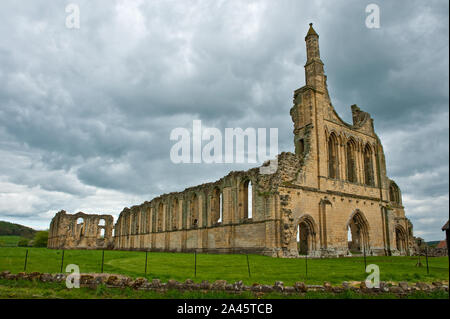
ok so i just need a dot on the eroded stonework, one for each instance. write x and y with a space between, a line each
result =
331 197
81 231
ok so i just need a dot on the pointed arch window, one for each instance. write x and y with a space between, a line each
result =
194 211
160 217
351 162
175 213
394 193
368 167
154 228
333 160
246 199
216 206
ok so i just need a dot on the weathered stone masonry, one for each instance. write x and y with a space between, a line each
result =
334 186
81 231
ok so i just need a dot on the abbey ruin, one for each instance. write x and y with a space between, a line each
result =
331 198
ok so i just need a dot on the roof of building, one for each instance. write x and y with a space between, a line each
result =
442 244
445 227
311 31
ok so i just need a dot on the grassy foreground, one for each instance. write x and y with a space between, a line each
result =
22 289
264 270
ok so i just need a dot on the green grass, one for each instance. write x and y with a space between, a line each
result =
264 270
9 241
22 289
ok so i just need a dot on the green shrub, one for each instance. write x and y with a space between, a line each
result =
23 242
40 239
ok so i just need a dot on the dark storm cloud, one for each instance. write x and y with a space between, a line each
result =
85 115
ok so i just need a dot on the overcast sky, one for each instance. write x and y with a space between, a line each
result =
86 114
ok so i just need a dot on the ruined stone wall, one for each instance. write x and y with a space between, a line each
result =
342 189
214 217
80 231
332 197
341 185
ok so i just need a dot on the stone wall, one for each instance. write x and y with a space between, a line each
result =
80 231
119 281
233 214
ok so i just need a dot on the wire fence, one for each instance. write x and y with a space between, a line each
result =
135 263
180 266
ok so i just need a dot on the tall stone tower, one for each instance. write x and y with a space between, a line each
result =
310 103
314 73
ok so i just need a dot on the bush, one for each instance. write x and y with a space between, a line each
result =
40 239
23 242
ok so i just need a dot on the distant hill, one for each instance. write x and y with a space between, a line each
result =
10 229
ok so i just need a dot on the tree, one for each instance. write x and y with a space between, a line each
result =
23 242
40 239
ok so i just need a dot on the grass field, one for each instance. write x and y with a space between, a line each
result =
9 241
264 270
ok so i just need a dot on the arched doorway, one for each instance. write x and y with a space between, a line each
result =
306 235
358 233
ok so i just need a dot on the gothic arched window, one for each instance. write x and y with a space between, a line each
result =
394 193
351 162
333 165
368 166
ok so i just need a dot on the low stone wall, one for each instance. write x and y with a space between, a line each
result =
120 281
434 252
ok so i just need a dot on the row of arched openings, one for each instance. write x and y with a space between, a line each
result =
81 227
358 234
350 161
193 209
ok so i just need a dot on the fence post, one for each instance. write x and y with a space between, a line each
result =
146 252
426 256
419 263
195 263
62 261
103 259
26 259
248 267
306 264
365 262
